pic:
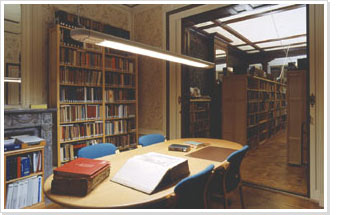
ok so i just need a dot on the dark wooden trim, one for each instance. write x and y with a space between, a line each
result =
237 34
277 39
269 12
292 44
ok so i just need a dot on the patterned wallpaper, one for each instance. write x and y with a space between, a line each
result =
148 28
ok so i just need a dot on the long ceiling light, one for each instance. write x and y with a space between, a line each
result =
109 41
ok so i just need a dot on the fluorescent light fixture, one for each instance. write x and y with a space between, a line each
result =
12 80
109 41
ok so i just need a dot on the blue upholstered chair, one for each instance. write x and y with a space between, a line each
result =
150 139
190 192
231 175
97 150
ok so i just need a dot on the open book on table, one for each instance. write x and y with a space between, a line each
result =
149 171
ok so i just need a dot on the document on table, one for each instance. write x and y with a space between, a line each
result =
145 172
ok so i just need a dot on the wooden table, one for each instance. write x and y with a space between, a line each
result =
112 195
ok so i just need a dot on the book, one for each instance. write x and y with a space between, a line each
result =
78 186
27 141
194 144
81 167
25 166
151 171
10 145
38 106
179 147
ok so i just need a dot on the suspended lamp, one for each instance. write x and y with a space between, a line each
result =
109 41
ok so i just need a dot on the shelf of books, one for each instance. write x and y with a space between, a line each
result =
200 117
95 92
24 176
254 108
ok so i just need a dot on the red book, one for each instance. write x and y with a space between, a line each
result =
81 168
18 170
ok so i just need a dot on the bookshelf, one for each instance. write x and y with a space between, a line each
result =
24 189
95 92
253 109
200 117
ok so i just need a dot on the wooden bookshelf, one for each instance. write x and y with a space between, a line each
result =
17 179
102 80
200 117
253 109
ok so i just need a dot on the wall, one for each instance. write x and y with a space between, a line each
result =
36 20
148 29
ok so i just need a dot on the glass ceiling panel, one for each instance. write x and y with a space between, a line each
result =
220 51
258 10
252 51
281 48
203 24
282 42
273 26
226 34
245 48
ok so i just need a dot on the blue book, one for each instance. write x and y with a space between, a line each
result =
25 166
11 145
39 189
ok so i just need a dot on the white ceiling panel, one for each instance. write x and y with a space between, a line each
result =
220 51
203 24
246 48
236 41
252 51
282 42
255 11
281 48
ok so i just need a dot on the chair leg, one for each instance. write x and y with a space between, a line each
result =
241 196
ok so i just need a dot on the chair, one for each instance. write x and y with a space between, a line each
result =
97 150
150 139
231 175
190 192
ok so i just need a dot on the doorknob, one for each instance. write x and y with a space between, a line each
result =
312 100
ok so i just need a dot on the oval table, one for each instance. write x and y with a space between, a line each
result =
112 195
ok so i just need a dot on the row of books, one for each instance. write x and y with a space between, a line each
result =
70 56
119 79
23 165
70 113
24 193
261 95
114 95
118 111
118 63
70 20
119 126
80 94
260 106
80 131
69 152
70 75
66 40
122 141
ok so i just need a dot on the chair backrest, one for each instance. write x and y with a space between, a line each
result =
190 191
150 139
97 150
232 174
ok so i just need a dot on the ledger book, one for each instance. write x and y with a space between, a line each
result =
151 171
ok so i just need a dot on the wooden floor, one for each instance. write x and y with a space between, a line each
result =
267 165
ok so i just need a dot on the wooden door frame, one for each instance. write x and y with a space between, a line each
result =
317 31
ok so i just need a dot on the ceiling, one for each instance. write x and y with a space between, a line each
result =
259 28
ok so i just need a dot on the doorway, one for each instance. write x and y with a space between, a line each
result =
268 162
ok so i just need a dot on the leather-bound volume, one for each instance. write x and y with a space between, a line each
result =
78 186
81 168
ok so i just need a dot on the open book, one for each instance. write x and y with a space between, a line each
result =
149 171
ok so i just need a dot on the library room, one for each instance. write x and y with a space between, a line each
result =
163 106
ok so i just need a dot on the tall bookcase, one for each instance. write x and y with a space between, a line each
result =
253 108
200 117
95 92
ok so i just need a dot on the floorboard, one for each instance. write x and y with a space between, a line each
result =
267 165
